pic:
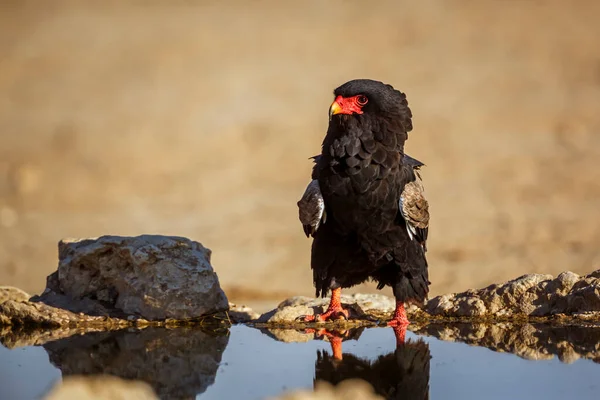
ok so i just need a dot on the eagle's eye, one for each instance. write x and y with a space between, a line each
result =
361 100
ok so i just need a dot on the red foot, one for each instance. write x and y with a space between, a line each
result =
334 311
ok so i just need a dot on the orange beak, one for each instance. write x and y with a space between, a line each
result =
334 109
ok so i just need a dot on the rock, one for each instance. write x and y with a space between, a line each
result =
563 283
287 314
101 388
366 302
13 294
532 295
154 277
17 311
176 363
241 313
350 389
361 306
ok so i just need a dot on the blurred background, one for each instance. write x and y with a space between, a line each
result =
197 118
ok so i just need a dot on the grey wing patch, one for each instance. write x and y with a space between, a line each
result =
414 208
311 208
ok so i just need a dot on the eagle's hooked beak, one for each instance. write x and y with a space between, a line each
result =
334 109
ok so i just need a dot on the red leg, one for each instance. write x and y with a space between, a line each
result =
334 311
399 316
399 322
335 339
336 347
400 333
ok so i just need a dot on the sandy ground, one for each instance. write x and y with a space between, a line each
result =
198 118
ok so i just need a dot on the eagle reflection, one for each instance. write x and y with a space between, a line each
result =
401 374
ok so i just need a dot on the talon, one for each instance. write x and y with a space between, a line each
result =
305 318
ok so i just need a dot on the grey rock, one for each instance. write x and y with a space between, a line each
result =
151 276
103 387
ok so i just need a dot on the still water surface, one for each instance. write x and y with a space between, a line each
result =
250 364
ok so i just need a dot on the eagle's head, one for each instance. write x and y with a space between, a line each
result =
369 99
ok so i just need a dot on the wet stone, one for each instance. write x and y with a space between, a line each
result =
151 276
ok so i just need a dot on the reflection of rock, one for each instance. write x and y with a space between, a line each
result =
289 335
306 335
352 389
530 295
177 363
402 374
12 338
362 307
101 388
155 277
529 341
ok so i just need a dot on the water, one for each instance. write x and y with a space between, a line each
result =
248 363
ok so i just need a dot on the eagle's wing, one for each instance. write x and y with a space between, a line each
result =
311 208
413 205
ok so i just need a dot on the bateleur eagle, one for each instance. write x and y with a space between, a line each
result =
365 207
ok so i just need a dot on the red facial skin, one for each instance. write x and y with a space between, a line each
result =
350 105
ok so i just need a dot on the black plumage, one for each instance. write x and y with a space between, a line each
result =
361 176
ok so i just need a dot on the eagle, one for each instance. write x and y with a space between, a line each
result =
365 206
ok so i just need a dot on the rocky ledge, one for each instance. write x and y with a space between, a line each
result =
533 295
